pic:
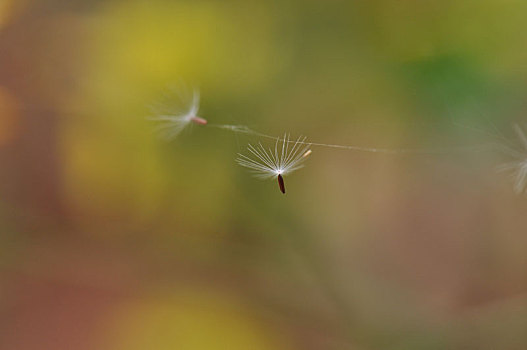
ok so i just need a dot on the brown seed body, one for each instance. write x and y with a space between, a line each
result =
199 120
281 183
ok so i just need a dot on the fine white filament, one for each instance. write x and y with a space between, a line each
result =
269 163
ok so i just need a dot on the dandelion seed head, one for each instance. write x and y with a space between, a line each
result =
174 120
267 163
518 167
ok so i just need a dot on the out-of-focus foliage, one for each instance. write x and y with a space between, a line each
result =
111 238
190 319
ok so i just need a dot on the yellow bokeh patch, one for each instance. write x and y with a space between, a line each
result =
188 320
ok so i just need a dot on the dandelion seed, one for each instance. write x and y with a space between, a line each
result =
283 160
518 168
281 184
173 122
308 152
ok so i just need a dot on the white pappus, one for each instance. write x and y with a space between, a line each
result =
518 167
283 160
177 118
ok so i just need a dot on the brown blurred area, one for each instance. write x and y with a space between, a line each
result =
113 239
40 53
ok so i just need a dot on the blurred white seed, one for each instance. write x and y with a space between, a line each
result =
518 167
308 152
283 160
175 118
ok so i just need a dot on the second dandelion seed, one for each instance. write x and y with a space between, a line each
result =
283 160
518 167
179 115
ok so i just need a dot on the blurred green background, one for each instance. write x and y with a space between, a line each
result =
113 239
